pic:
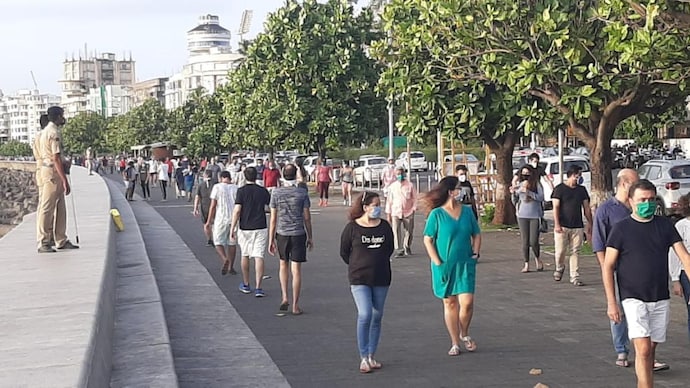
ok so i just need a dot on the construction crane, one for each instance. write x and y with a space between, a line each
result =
245 23
34 79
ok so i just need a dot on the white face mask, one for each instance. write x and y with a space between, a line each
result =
462 178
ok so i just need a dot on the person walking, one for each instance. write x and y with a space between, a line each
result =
190 176
637 252
252 236
467 191
202 202
570 199
323 181
679 274
163 178
400 207
131 176
366 245
388 176
51 216
154 166
143 171
452 239
290 234
89 160
271 176
347 180
530 195
219 218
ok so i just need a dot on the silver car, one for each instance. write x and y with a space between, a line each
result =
672 181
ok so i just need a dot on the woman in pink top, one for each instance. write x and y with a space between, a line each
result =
323 180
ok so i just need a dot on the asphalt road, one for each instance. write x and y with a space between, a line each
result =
521 321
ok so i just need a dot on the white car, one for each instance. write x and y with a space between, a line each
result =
470 161
672 181
370 169
550 167
417 161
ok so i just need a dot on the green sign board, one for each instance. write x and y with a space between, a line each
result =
398 141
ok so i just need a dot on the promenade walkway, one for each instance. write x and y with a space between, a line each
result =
521 321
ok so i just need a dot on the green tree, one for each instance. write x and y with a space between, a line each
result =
87 129
594 63
209 125
417 76
15 148
307 81
144 124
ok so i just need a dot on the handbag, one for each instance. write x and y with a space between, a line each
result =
543 225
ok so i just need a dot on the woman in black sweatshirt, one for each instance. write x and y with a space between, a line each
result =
366 246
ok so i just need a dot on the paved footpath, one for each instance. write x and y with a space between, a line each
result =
521 321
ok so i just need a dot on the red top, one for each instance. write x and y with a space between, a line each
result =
122 163
170 166
323 174
271 177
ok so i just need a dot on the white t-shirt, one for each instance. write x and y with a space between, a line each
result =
163 172
224 194
153 167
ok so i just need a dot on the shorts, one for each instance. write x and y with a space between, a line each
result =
252 242
221 235
647 319
292 248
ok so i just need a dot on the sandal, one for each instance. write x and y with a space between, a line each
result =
525 269
540 265
469 343
226 266
622 360
364 366
558 274
374 364
282 310
577 283
454 350
659 366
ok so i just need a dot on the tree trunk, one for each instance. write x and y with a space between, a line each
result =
601 161
505 211
321 146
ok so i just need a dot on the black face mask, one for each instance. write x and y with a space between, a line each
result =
524 177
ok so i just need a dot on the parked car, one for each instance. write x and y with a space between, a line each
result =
472 162
672 181
550 166
417 161
370 169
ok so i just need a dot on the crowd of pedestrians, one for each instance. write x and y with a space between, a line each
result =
631 244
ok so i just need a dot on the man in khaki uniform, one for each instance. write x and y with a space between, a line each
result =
53 186
43 120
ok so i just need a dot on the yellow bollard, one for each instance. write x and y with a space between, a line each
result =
115 214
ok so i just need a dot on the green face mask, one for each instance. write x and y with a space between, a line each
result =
646 209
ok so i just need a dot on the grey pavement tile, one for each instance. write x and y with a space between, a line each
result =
143 366
137 289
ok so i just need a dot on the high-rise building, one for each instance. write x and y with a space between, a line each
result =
20 114
81 75
210 60
109 100
145 90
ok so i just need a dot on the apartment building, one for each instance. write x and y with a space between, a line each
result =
144 90
20 114
210 58
82 75
110 100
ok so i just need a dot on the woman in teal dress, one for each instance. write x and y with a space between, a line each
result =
452 240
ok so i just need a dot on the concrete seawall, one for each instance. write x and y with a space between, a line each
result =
58 309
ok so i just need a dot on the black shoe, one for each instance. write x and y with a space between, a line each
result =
209 243
68 245
400 254
46 249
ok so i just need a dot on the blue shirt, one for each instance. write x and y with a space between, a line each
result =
608 214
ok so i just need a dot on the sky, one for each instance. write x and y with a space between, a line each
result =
37 35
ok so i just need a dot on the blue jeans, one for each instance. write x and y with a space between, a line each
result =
685 282
369 302
619 331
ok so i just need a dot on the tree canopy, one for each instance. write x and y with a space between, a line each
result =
593 63
15 148
307 81
87 129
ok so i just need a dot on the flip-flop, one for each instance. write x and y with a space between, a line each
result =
659 366
224 270
298 312
558 274
454 351
282 310
469 343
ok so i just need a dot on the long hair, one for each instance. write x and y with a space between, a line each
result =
365 199
533 180
438 195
